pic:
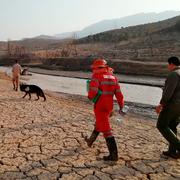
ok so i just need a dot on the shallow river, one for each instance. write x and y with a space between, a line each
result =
132 93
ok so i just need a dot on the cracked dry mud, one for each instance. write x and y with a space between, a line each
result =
43 140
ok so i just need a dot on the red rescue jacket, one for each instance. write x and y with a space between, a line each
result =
108 84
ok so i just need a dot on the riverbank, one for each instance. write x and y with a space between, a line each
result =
136 108
43 140
63 81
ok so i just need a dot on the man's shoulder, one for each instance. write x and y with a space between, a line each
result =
177 71
173 75
18 65
14 65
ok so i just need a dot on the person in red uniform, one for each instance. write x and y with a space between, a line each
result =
104 80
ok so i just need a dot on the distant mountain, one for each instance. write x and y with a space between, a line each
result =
65 35
106 25
45 37
131 32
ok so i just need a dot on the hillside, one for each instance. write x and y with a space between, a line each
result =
110 24
140 31
138 50
160 39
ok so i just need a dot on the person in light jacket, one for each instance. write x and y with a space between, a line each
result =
16 72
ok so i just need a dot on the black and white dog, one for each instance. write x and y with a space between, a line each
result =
29 89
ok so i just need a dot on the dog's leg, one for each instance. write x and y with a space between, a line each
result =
24 95
44 98
29 96
42 95
37 96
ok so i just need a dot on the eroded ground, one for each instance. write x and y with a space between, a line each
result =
43 140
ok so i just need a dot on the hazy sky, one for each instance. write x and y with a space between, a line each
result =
28 18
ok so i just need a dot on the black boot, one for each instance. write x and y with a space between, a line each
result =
172 152
112 147
92 138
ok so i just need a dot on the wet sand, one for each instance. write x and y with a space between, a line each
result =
43 140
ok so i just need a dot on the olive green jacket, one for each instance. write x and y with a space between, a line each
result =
171 90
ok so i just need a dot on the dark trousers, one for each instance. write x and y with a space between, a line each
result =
167 123
173 126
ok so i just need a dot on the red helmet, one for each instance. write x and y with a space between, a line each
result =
98 63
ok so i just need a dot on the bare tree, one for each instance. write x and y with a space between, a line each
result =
9 48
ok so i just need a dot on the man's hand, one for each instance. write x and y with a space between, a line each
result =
121 112
159 108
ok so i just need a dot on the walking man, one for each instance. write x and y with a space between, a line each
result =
169 109
103 82
16 72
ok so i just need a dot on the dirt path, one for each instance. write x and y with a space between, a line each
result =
43 140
